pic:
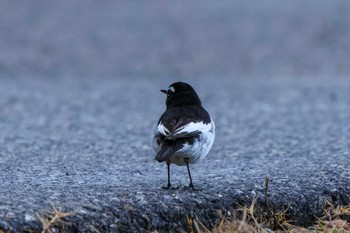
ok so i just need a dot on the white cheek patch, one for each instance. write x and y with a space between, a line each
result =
172 89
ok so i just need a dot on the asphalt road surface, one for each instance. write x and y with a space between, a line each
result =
79 93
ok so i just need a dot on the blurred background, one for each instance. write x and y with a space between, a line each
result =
181 39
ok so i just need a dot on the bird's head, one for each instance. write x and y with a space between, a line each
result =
181 94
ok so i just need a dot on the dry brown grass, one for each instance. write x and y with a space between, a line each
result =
250 221
52 219
332 220
253 222
239 225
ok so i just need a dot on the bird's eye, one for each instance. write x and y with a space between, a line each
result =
170 91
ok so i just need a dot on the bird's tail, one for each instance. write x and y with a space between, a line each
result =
165 153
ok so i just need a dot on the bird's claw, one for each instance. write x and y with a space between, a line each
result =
168 187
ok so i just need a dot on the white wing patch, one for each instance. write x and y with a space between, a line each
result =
190 129
193 127
162 129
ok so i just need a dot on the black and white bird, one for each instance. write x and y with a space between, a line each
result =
185 132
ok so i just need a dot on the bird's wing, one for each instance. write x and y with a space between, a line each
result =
167 150
183 129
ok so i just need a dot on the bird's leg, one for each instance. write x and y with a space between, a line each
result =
189 173
168 165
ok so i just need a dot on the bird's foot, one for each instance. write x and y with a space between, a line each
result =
168 187
191 187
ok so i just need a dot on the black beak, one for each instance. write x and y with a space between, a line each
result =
164 91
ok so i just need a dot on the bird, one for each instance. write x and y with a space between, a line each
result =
185 132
